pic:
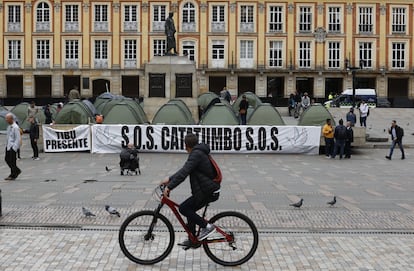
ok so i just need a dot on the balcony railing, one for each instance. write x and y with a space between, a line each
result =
247 27
158 26
42 63
130 63
42 26
14 27
100 63
218 27
189 27
100 26
71 63
130 26
14 64
71 26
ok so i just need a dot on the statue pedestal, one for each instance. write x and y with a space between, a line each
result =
169 77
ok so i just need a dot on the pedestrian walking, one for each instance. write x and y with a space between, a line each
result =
349 139
397 134
34 137
12 145
351 117
328 134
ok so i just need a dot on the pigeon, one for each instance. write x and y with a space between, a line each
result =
87 213
107 169
297 204
332 202
112 210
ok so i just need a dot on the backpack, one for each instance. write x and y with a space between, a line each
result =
219 176
341 132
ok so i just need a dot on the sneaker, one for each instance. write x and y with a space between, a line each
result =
388 157
206 232
188 244
328 157
36 158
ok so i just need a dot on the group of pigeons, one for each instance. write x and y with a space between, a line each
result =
300 203
109 209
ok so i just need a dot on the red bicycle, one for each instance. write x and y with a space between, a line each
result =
147 237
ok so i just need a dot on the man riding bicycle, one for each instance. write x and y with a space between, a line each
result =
203 188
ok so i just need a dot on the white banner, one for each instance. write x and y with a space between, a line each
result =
221 139
77 139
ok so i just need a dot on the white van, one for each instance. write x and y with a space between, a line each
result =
369 95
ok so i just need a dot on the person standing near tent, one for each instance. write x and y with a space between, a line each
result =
32 110
12 145
328 134
34 137
48 114
243 106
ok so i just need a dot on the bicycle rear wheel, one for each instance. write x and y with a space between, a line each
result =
143 245
244 243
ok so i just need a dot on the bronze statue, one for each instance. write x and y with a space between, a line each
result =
170 32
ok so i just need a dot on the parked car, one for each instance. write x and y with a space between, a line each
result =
383 102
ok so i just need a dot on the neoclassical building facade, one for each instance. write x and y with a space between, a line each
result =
271 48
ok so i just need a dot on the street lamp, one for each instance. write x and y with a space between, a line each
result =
353 71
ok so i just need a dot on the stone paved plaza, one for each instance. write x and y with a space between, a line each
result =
371 228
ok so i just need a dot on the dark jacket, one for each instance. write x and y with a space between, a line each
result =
340 132
244 104
34 131
399 132
351 117
201 172
349 134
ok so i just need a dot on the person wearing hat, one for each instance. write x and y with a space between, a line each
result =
351 117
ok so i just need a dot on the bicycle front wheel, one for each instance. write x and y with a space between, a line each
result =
244 243
146 237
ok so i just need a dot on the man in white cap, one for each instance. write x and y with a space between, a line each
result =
12 145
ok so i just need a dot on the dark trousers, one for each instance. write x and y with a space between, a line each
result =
34 147
10 159
243 119
347 149
394 142
188 208
339 144
329 146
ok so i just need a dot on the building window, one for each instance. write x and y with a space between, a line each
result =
14 18
43 17
72 49
366 20
15 50
246 54
275 54
217 53
101 49
189 49
246 19
398 20
159 16
130 18
218 23
334 55
159 47
101 18
71 18
398 55
42 49
275 19
334 17
305 54
188 13
130 49
305 19
14 14
365 54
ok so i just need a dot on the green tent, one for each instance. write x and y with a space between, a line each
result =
219 114
183 106
252 98
20 111
265 114
172 114
315 115
132 104
124 113
75 112
2 108
105 97
204 99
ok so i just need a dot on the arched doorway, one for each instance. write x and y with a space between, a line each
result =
100 86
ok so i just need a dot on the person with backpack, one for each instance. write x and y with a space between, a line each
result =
204 187
397 134
340 137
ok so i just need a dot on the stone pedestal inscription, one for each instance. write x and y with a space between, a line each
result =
157 85
184 85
